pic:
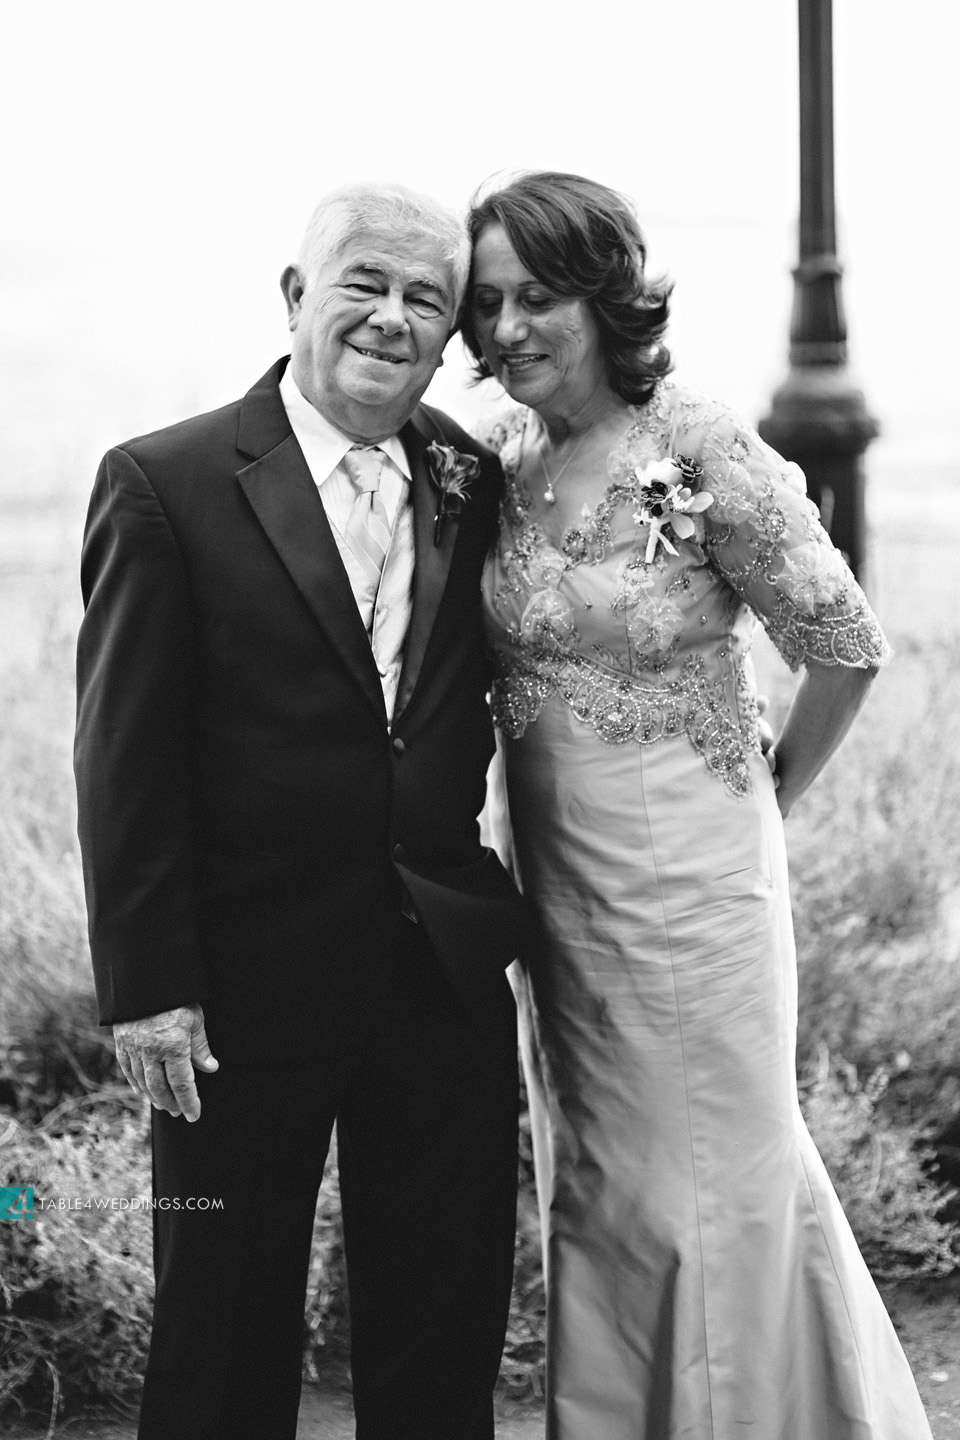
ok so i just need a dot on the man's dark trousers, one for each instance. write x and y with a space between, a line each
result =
425 1097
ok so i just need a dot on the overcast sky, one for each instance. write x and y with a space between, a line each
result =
159 164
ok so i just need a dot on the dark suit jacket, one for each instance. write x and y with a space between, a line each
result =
247 819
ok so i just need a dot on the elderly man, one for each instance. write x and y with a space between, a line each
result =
281 748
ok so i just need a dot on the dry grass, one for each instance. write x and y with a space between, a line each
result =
875 864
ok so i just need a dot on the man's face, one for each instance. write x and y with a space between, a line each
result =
369 333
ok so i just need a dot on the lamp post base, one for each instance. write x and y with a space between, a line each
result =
819 419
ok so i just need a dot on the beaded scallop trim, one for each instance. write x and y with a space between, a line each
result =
620 708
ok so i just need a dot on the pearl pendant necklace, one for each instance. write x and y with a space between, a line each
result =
550 494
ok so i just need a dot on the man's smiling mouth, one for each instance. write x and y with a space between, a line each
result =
379 355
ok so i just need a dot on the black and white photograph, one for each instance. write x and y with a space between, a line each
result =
480 721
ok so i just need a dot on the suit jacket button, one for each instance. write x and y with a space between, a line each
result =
398 852
398 746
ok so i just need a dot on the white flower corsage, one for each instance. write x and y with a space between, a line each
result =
670 500
451 473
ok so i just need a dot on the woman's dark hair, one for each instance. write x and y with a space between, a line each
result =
581 240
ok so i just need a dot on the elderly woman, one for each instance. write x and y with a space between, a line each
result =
702 1279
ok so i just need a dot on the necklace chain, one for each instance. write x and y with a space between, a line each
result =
550 494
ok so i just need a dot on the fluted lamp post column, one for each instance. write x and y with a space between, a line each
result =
818 416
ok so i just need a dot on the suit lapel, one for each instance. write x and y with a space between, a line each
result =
284 498
432 566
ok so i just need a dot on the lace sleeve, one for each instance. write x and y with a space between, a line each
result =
764 536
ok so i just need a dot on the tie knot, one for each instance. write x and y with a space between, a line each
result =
364 464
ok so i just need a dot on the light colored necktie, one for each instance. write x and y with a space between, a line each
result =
368 529
385 566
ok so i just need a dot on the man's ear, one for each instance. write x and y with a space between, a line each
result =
293 285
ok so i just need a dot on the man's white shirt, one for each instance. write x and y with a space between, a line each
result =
324 447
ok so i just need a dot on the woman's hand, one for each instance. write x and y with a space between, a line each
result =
823 708
765 732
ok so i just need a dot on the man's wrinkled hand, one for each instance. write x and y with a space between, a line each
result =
157 1055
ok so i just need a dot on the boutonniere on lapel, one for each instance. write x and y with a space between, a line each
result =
670 500
451 474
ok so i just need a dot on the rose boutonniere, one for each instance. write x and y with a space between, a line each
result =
670 500
451 473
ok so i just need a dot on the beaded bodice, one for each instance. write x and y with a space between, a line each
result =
646 640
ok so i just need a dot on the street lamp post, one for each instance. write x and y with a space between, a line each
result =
818 416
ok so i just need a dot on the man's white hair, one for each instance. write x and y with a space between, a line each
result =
390 209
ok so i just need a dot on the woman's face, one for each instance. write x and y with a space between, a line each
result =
543 348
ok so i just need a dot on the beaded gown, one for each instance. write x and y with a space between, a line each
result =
702 1281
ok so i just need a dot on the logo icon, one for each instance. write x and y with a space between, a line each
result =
16 1202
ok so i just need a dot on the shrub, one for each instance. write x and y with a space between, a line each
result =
877 1169
522 1369
327 1322
42 918
47 1022
874 854
52 1049
76 1284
